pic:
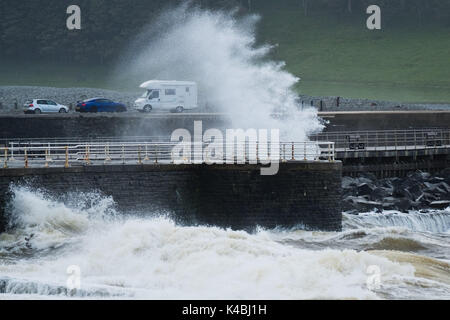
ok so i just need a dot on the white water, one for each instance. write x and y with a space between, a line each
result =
154 258
218 50
437 221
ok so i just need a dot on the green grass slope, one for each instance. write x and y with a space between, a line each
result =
333 56
340 57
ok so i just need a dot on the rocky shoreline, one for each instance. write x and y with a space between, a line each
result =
417 191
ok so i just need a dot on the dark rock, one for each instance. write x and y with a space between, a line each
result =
418 176
368 176
362 180
436 180
403 205
386 183
379 194
365 189
366 205
389 206
439 188
348 183
401 192
426 198
444 186
440 204
415 190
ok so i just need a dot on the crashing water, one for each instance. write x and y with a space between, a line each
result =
218 50
151 257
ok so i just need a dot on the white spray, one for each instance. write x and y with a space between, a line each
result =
218 50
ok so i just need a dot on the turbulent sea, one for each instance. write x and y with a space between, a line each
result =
388 255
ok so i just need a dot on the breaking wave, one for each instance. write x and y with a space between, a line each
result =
432 221
153 258
218 50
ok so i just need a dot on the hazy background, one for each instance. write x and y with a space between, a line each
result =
324 42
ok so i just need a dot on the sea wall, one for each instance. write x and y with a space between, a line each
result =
101 125
236 196
138 124
385 120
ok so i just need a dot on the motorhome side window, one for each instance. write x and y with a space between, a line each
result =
170 92
187 89
154 94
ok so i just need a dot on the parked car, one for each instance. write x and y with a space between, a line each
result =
43 106
99 105
167 95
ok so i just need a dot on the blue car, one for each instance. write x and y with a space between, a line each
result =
99 105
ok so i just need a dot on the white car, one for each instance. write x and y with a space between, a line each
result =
44 106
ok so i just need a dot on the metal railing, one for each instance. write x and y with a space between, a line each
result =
54 154
387 139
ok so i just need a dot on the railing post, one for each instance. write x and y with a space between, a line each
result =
46 158
26 157
284 152
107 156
66 164
5 165
329 152
156 153
12 152
245 153
172 158
146 153
415 140
139 155
376 141
257 151
123 154
86 158
304 151
405 142
293 158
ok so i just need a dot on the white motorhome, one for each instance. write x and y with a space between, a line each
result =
167 95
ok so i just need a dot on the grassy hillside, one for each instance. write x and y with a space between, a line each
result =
332 55
342 58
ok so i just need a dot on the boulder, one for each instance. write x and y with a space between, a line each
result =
348 183
403 205
367 205
443 204
415 190
378 194
365 189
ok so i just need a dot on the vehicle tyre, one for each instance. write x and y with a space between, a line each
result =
94 109
179 109
37 111
148 108
62 110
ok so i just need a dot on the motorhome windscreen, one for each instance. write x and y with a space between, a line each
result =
146 94
151 93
